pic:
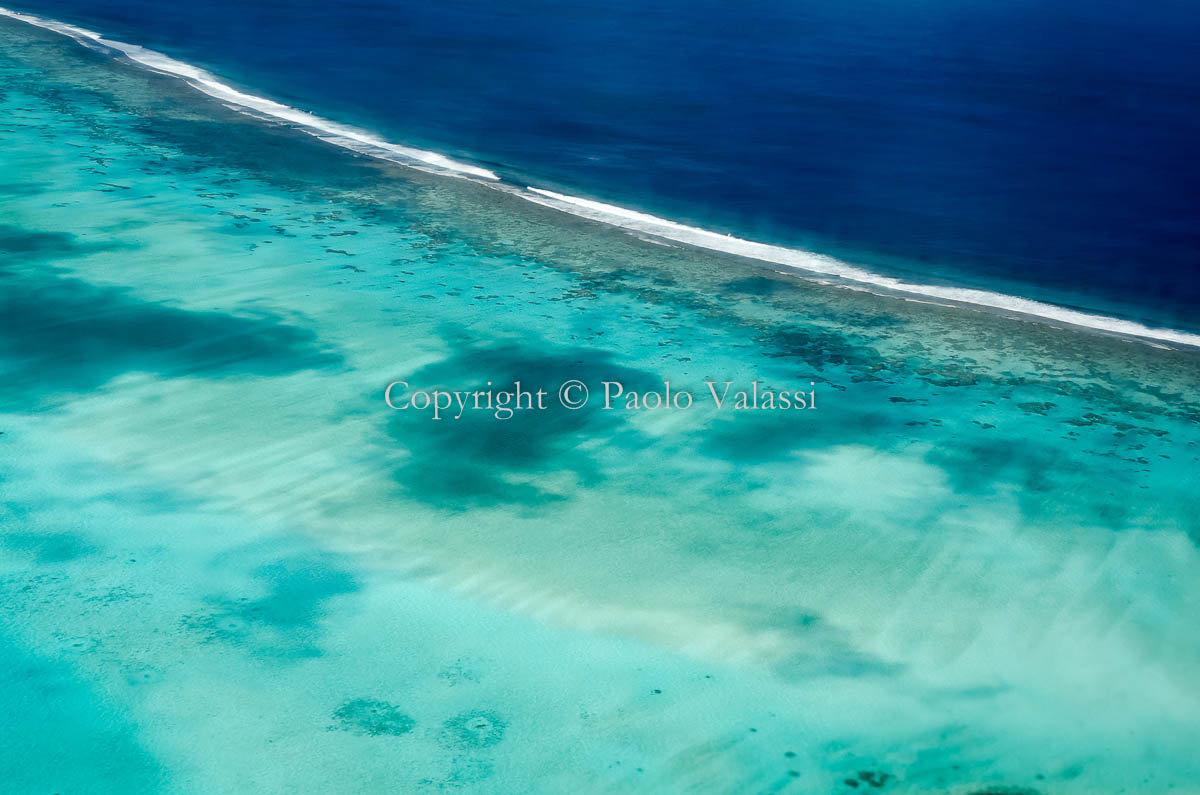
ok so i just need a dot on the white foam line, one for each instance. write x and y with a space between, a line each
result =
330 131
819 263
365 143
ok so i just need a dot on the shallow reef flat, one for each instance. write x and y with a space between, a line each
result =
227 566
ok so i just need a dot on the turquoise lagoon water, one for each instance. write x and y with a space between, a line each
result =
227 566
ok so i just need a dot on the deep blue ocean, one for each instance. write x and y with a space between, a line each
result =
1042 149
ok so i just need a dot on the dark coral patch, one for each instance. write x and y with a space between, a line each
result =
285 621
374 718
64 335
472 460
47 547
475 729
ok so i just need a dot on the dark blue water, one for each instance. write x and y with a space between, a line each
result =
1040 148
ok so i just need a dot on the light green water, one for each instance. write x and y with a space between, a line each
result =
227 566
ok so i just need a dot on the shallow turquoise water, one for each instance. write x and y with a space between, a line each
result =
228 566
